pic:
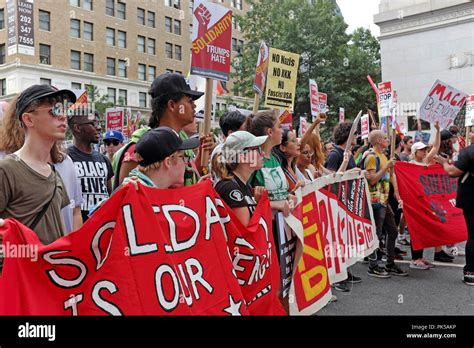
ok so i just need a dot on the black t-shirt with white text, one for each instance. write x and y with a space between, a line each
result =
465 193
93 170
236 194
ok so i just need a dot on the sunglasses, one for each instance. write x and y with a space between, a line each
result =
55 111
93 123
113 142
307 153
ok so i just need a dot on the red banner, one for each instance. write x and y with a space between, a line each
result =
334 221
429 198
212 34
146 252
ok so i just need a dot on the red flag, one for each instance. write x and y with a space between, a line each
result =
429 197
150 252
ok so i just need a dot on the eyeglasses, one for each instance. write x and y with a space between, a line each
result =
113 142
96 124
307 153
55 111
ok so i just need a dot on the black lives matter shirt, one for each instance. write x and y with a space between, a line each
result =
236 194
93 170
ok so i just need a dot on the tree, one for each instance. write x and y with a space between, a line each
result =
337 61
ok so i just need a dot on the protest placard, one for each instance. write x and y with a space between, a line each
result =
261 69
314 98
364 126
114 119
442 104
342 116
385 98
470 111
211 40
281 79
323 102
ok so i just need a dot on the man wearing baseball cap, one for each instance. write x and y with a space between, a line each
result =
160 156
172 106
30 189
113 141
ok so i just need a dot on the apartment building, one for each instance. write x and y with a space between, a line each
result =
118 46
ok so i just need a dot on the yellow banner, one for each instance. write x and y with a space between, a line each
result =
281 79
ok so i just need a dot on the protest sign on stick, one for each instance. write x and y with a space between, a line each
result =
260 74
341 115
314 99
442 104
364 126
281 79
211 52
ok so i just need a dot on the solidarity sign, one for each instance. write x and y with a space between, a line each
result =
211 42
148 253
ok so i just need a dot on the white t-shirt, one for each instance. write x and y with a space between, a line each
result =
73 187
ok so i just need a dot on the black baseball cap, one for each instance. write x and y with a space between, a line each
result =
159 143
171 83
36 92
445 135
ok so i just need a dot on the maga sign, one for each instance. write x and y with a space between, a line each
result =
442 104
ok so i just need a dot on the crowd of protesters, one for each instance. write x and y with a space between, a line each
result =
54 190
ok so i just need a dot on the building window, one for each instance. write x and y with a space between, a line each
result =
141 44
111 95
75 31
177 4
151 73
168 24
234 44
122 39
169 71
88 62
179 72
3 87
122 68
44 20
75 60
76 85
169 50
110 8
140 16
177 27
237 4
76 3
45 54
111 66
121 9
2 54
142 99
151 19
88 31
151 46
2 18
87 5
240 47
110 37
142 72
45 81
177 52
123 97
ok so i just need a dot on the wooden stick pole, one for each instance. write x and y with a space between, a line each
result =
207 120
256 103
468 137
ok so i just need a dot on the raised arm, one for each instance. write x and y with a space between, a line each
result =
307 135
429 158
